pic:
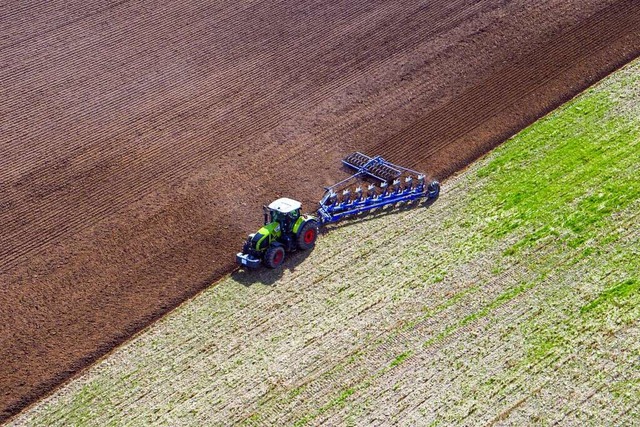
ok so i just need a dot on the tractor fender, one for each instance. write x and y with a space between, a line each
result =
301 221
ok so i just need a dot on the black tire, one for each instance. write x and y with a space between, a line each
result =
274 257
307 235
434 189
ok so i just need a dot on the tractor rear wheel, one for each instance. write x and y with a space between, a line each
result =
274 256
307 235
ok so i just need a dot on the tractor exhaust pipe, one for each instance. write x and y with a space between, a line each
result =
265 210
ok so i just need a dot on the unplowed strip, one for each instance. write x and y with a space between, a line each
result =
139 139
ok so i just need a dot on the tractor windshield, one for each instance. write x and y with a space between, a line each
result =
285 218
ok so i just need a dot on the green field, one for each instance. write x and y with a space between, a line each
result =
513 300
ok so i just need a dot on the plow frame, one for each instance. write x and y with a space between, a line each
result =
392 191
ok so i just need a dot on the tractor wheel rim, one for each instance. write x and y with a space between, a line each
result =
277 258
309 235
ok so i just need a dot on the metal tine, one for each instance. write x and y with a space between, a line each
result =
358 192
346 195
408 183
333 198
384 186
371 193
396 186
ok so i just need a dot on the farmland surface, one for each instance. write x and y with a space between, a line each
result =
138 139
512 300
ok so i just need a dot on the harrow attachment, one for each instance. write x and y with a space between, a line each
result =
396 185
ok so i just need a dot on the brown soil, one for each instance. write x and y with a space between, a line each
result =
139 140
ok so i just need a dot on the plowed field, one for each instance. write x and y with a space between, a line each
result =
139 139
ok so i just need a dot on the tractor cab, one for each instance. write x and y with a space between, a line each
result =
285 229
283 211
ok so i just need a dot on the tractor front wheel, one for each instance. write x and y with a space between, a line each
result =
307 235
274 257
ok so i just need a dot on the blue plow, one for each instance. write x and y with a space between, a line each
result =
397 185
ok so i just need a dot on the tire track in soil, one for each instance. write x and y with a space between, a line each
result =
142 277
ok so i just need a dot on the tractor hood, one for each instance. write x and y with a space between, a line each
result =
269 228
260 240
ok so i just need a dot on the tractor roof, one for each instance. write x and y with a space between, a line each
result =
285 205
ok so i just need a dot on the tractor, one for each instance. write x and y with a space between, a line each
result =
285 230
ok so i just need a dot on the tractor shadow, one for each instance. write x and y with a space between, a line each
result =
266 276
378 213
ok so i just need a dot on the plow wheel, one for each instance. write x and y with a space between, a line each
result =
434 189
274 256
307 235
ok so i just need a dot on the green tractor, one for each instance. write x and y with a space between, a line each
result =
285 230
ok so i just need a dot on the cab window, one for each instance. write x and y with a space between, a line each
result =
276 216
